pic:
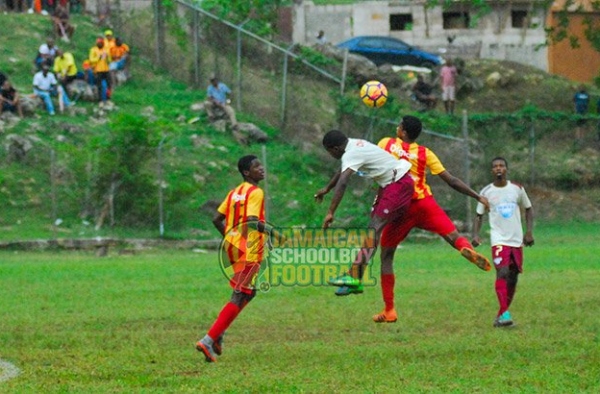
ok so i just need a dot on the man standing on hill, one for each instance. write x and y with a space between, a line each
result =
99 61
424 211
448 79
506 200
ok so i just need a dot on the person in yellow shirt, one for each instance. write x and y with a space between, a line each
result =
65 68
119 54
241 221
99 61
109 40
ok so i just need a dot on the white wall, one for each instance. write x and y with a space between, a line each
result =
494 37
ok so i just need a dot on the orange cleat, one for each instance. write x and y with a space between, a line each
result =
386 317
478 259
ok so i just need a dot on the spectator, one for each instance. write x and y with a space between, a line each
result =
581 99
424 93
321 39
448 78
46 54
109 40
65 68
45 86
99 61
119 54
88 72
62 26
217 100
14 5
9 99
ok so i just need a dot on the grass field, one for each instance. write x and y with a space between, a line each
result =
77 323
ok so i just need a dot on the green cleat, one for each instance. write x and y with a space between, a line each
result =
347 290
345 280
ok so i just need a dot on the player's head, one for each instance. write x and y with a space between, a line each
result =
335 143
251 168
499 159
411 125
499 167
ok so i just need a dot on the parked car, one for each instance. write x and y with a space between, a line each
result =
381 50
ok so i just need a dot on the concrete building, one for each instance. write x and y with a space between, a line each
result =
510 30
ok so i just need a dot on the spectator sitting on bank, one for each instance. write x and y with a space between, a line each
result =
62 26
217 105
217 96
65 68
88 72
119 54
9 99
424 93
46 54
45 86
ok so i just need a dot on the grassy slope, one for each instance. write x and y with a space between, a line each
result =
198 174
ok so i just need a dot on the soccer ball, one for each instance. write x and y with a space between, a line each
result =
373 94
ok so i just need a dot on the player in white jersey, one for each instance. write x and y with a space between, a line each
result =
506 201
394 196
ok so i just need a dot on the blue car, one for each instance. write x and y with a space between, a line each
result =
381 50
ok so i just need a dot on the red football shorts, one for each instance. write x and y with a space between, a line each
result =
393 201
504 256
243 280
425 214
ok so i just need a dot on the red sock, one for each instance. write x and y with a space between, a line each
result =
510 294
502 293
461 243
387 290
225 318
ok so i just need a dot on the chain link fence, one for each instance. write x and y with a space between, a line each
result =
80 198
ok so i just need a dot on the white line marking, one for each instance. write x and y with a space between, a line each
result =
8 371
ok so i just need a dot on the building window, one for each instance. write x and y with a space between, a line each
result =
519 18
401 22
456 20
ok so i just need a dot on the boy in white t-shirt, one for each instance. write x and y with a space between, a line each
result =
396 188
506 200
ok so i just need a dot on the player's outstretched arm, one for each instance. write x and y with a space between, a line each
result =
461 187
340 189
322 192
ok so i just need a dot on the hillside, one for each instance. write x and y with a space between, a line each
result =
62 188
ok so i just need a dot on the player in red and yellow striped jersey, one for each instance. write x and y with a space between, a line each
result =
424 212
241 220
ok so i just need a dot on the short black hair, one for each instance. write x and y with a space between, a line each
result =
334 138
245 163
500 158
413 126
